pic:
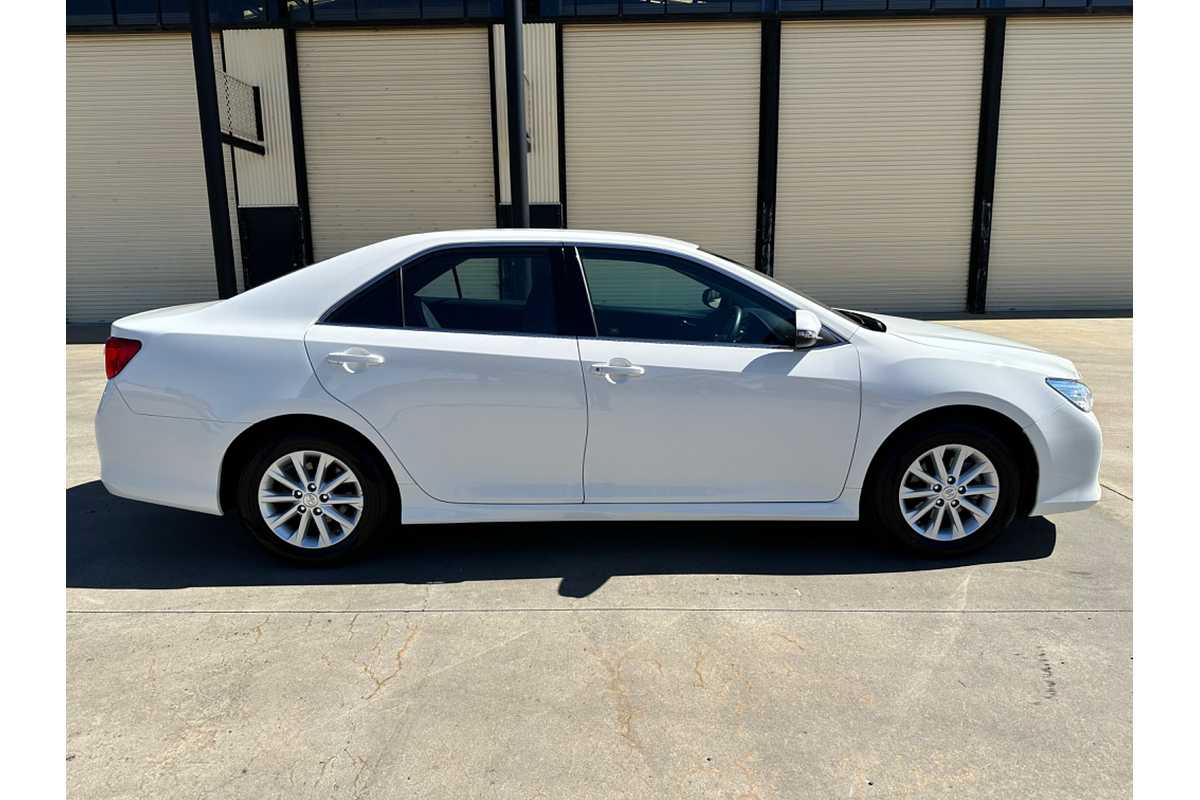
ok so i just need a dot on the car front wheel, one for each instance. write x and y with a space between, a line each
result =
947 490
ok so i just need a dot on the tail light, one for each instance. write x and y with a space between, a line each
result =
117 353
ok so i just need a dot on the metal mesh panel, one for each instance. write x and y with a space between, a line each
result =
239 111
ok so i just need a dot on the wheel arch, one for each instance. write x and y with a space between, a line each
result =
263 431
991 419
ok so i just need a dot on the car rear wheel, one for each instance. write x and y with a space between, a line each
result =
946 490
312 499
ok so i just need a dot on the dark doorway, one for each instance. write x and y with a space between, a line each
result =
272 240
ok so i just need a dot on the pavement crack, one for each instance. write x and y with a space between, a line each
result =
1117 492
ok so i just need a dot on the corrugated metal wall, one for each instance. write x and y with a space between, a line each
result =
662 131
397 133
257 57
138 235
541 112
1062 224
878 124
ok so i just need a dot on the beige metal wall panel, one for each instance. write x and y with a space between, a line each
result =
1062 221
662 131
878 123
397 133
257 57
138 235
541 112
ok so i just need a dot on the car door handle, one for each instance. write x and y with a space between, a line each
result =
618 368
354 359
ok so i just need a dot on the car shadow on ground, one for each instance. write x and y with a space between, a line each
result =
121 544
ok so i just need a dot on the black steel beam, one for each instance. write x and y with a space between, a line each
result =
299 159
210 139
514 80
985 165
495 128
768 147
561 99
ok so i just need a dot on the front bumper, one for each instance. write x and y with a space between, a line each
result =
1068 444
165 460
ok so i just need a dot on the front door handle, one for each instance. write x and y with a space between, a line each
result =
354 359
617 370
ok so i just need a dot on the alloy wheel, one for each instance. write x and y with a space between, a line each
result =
310 499
949 492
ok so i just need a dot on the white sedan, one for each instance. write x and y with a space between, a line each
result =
513 375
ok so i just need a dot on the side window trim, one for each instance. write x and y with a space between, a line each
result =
701 268
571 304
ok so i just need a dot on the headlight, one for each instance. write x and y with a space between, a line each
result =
1075 391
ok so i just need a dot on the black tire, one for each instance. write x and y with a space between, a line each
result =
377 496
883 492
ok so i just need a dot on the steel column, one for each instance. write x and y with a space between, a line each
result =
768 146
514 77
985 165
210 138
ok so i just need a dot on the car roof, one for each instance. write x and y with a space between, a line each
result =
569 235
307 293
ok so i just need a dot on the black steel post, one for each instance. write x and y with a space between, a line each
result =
514 80
768 146
299 159
985 165
210 138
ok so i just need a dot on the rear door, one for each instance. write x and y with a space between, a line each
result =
464 360
695 393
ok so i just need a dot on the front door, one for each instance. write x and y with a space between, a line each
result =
457 359
695 393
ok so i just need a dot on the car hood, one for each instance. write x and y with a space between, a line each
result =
980 346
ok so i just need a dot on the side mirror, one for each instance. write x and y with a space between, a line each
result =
808 329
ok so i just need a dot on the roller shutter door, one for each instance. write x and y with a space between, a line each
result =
662 131
138 235
397 133
1062 234
878 129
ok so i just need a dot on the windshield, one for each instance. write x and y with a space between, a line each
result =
855 318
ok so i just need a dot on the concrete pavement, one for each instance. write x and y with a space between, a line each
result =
604 661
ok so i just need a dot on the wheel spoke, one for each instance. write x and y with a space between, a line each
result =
345 500
298 463
323 539
276 498
338 481
916 470
956 521
978 512
322 464
278 476
984 489
936 527
909 494
939 461
340 518
297 538
975 472
959 460
283 517
922 511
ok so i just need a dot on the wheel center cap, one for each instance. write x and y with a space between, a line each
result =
310 500
949 493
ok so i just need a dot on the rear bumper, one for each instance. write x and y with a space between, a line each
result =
164 460
1068 445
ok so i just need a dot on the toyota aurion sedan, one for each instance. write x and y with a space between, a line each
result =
522 375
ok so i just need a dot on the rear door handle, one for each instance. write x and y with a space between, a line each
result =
354 359
617 369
